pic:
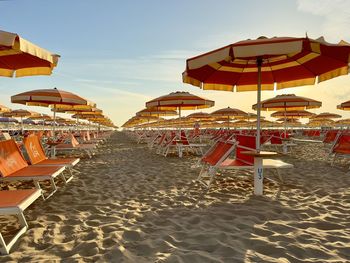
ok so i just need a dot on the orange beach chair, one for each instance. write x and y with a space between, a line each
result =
14 203
13 167
36 155
241 161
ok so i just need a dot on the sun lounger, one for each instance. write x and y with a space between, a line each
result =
14 203
341 147
218 159
36 155
74 145
13 167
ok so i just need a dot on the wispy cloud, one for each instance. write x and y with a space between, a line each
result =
336 14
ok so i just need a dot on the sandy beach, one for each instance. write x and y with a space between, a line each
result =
130 205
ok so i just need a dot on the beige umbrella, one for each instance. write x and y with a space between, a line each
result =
180 100
229 113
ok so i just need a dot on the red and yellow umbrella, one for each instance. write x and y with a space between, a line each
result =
180 100
288 102
19 57
293 114
344 106
326 115
229 113
52 97
266 64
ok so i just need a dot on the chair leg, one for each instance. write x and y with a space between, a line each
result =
5 248
280 175
70 177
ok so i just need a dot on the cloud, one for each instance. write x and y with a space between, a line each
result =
336 14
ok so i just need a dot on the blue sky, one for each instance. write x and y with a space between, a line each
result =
122 53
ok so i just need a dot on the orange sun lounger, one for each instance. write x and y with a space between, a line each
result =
14 203
218 159
13 167
37 156
75 145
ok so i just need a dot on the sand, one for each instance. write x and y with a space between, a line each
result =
130 205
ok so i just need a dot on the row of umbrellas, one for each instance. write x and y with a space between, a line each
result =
19 58
288 107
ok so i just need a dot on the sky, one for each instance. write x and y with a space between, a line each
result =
121 54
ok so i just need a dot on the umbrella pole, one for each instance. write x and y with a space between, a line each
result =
54 119
258 161
22 128
259 62
228 122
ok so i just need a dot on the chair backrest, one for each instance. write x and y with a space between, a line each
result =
11 158
342 145
219 152
245 143
34 149
6 136
184 139
330 136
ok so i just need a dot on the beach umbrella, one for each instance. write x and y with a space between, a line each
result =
229 113
20 113
293 114
268 64
156 112
51 98
326 115
19 57
199 116
287 102
4 109
344 106
180 100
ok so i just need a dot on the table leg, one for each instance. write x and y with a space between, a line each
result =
258 176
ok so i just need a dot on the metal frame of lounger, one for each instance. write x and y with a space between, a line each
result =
210 170
267 164
69 167
38 178
17 210
88 151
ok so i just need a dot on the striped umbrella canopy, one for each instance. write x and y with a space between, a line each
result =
19 57
180 100
4 108
293 114
8 119
51 97
344 106
287 102
155 111
229 113
326 115
41 117
199 116
343 122
20 113
320 122
266 64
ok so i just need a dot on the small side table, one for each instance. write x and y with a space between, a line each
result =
258 168
53 148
